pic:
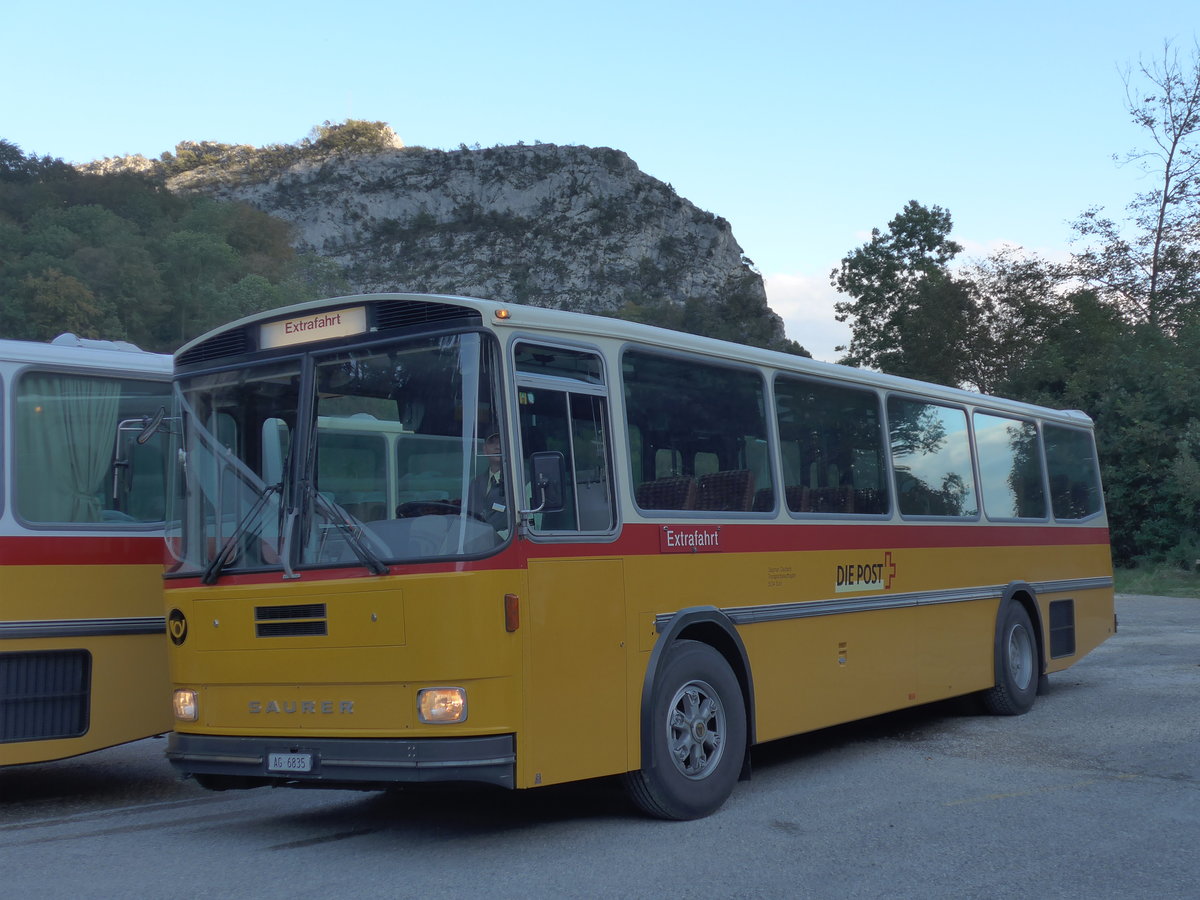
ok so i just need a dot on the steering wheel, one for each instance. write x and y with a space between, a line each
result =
414 508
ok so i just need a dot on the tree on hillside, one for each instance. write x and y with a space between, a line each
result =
119 256
909 315
1150 266
352 136
16 167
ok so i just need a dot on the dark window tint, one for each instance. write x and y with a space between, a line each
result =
558 362
831 448
1074 474
697 435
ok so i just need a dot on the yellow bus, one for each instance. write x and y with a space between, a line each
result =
83 660
429 539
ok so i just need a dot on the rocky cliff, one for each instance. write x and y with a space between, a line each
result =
562 226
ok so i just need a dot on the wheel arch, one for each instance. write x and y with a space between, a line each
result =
706 625
1023 593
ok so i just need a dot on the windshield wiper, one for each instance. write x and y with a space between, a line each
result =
227 552
340 519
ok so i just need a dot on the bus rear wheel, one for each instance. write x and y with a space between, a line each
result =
698 736
1016 664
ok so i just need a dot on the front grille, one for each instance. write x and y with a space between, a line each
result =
290 629
294 620
44 695
295 611
407 313
231 343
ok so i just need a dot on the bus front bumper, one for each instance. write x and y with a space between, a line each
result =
222 761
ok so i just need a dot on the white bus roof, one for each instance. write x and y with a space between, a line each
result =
567 324
70 351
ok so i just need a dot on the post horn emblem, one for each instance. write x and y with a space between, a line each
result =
177 627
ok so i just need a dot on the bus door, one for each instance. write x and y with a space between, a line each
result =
575 666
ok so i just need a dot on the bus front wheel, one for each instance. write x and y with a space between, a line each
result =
698 736
1016 664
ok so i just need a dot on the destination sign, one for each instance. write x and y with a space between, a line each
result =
314 327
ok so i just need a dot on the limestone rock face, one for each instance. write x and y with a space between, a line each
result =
561 226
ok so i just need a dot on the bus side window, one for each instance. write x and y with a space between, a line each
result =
68 437
563 408
832 448
1010 467
706 427
931 454
1074 473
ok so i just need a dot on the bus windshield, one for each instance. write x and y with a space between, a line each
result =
356 457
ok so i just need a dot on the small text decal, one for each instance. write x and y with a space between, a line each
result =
689 539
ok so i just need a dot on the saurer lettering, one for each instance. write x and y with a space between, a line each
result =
302 707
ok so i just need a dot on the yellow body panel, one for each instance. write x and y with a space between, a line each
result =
80 592
387 639
568 683
576 723
130 688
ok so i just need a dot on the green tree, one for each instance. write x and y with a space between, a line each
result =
53 303
1017 303
1141 388
908 316
141 263
196 267
16 167
352 136
1149 265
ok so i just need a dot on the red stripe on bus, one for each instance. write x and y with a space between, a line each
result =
647 539
823 536
81 550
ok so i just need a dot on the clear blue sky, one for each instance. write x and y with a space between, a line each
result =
804 124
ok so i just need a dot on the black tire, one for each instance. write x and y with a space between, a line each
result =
1017 664
697 739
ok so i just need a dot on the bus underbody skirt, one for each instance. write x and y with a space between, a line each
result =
342 762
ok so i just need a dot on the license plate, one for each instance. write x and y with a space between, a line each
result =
289 762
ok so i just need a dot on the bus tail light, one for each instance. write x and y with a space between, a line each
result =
442 706
512 612
186 708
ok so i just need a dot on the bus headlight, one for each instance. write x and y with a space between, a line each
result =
186 708
442 706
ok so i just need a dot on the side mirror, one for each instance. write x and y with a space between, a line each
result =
549 473
151 425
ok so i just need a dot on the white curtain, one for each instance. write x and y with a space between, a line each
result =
66 429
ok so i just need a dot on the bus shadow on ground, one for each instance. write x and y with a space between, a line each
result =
128 773
906 725
426 812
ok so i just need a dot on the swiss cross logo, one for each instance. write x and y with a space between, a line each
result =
865 574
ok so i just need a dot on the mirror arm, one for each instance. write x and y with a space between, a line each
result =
539 507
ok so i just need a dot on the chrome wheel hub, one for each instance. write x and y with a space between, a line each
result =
695 729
